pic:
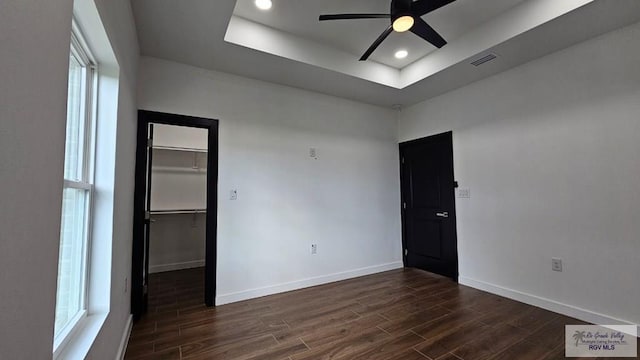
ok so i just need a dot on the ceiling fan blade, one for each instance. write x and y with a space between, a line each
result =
377 43
422 7
426 32
353 16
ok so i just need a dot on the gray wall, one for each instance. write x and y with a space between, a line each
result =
550 151
33 91
33 94
346 200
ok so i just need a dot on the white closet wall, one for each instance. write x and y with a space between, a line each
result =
180 137
177 242
178 198
178 180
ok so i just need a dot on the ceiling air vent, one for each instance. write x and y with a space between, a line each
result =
484 59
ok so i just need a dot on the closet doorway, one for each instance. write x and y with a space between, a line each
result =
175 211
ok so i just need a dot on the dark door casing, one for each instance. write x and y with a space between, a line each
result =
140 248
428 205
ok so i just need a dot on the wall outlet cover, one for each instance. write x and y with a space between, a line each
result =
556 264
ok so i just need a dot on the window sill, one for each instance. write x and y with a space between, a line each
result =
79 345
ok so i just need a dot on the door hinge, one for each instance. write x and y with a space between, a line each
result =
404 205
147 215
406 252
403 159
149 143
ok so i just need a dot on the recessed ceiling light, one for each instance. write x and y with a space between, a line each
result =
401 54
263 4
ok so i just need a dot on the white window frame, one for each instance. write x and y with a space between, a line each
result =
81 51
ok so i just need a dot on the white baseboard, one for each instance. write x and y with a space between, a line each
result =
122 349
304 283
175 266
547 304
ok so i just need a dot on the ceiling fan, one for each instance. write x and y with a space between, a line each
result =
405 16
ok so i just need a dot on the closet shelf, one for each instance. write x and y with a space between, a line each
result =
178 211
172 148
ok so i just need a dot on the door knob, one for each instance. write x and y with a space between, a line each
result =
443 214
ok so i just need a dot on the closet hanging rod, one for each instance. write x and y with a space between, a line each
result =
180 211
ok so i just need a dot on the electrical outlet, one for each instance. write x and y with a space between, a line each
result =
556 264
313 153
233 195
314 249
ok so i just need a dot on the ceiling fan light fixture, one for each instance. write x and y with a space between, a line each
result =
263 4
403 23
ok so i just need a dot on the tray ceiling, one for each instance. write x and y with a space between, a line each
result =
288 45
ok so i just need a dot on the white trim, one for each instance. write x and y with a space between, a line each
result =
548 304
81 50
304 283
77 185
175 266
68 332
80 342
122 349
80 45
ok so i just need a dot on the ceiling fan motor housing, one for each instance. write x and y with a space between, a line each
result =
400 8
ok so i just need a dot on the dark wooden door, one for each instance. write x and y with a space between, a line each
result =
428 205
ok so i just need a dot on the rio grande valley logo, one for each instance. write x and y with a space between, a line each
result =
601 340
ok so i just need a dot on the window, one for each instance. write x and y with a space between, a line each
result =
75 241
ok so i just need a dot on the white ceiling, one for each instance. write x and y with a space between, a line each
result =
288 45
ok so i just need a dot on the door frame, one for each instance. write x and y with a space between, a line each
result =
138 301
447 136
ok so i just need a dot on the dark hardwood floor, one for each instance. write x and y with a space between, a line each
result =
397 315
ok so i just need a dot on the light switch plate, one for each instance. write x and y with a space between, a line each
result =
464 193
